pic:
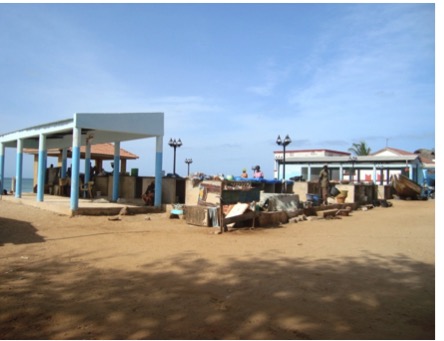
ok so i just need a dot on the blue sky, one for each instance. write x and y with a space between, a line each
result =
229 77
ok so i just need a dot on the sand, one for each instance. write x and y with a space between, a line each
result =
367 276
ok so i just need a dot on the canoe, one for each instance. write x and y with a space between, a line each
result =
405 187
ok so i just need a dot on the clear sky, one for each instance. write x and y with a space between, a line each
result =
229 77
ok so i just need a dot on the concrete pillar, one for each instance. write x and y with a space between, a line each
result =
2 167
309 172
87 161
75 165
64 162
374 173
41 172
341 172
158 181
116 176
19 169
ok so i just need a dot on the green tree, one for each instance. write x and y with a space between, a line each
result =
360 148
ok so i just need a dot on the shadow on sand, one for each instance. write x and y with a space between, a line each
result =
18 232
370 297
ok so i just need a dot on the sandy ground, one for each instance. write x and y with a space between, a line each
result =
367 276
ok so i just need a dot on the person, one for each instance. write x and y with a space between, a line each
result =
148 196
258 174
244 174
324 182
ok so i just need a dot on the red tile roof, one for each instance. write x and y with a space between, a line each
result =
104 151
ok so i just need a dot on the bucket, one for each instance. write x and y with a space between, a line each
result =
334 191
340 200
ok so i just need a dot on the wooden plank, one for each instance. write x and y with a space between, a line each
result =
329 213
237 209
235 219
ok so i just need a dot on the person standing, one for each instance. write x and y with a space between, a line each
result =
244 174
324 182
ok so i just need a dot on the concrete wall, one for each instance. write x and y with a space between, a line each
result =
179 190
192 191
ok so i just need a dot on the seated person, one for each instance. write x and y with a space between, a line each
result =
148 196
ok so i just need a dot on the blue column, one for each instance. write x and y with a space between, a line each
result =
87 162
116 171
41 168
2 167
158 175
19 169
75 165
64 162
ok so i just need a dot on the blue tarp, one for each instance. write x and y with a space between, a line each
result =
264 181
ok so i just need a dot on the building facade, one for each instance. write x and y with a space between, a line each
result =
305 165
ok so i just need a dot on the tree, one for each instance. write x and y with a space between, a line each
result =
360 148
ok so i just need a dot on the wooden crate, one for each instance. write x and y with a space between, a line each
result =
199 215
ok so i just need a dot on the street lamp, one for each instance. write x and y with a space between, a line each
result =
284 144
174 144
188 161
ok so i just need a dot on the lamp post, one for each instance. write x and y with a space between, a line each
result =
188 161
284 144
175 144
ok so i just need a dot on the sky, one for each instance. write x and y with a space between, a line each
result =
230 78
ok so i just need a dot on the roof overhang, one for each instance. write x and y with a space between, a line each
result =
99 128
347 159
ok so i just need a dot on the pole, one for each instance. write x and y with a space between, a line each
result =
283 171
174 162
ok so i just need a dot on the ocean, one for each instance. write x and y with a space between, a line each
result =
27 185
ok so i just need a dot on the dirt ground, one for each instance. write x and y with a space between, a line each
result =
367 276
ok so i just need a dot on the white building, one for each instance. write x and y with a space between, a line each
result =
378 167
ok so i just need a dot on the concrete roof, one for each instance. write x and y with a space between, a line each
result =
102 128
347 159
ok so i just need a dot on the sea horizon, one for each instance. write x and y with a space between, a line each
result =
27 185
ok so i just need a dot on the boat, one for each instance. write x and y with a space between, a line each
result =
406 188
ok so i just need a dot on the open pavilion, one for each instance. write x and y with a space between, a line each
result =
84 130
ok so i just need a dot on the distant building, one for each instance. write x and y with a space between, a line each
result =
305 165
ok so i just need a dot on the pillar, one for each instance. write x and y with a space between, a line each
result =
116 171
87 161
341 172
64 162
158 172
41 171
75 165
19 169
309 172
2 167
